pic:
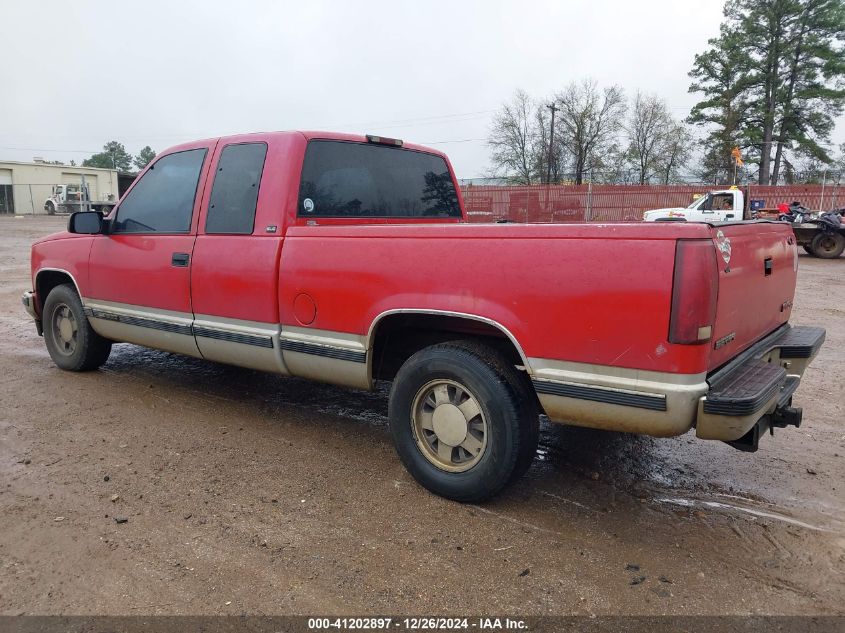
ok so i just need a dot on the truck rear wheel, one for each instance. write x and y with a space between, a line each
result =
828 245
72 343
463 423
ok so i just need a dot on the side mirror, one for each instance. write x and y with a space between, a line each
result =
85 222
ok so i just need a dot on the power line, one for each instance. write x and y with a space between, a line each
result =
64 151
96 151
388 124
459 140
419 119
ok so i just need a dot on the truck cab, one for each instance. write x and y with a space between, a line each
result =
715 206
60 195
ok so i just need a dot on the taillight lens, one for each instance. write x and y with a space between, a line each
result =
694 289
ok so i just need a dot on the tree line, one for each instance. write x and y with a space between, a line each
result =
771 83
596 135
115 156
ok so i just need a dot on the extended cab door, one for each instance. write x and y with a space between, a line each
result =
235 271
140 271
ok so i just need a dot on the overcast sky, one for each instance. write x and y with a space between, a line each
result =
77 74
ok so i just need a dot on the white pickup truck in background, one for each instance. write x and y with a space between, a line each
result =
715 206
816 237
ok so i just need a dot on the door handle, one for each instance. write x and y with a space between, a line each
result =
180 259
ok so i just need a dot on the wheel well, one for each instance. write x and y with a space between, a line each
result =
46 280
397 337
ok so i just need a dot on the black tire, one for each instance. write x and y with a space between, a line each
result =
828 245
72 343
808 249
530 406
50 208
507 410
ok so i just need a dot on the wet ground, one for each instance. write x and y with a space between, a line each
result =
248 493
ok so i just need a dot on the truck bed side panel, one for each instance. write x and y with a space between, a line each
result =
598 295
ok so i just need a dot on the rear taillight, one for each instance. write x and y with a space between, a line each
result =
694 290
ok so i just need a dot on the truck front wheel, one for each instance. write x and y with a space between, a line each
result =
462 422
50 208
828 245
72 343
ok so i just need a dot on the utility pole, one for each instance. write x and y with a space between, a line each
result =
554 109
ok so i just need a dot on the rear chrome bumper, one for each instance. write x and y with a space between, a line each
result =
753 393
724 405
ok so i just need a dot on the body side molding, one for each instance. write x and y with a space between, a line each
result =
328 351
640 400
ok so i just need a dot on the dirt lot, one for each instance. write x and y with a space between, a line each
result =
251 493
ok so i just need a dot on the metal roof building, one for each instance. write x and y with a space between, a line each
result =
25 187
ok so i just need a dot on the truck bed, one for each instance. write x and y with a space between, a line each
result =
591 293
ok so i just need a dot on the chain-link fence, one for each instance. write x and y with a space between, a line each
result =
49 199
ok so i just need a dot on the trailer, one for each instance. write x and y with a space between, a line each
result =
819 241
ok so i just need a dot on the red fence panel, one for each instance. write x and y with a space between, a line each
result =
618 203
813 197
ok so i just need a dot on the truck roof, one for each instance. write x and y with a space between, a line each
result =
308 134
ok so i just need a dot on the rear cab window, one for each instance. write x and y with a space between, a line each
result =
345 179
234 195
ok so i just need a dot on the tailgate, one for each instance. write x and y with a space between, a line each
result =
758 264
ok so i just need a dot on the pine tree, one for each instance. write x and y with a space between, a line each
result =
144 157
113 156
721 73
778 64
806 99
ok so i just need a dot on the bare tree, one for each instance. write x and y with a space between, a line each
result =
513 139
589 121
675 153
647 131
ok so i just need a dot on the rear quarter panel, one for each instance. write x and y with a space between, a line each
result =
585 293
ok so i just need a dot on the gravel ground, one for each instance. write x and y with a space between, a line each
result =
250 493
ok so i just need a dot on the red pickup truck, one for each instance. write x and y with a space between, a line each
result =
347 259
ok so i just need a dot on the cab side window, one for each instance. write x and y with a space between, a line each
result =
231 208
163 200
722 202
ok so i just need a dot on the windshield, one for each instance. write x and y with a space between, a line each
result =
695 203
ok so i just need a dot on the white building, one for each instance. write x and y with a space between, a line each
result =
25 187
